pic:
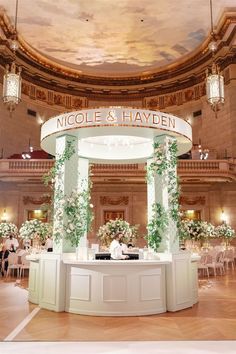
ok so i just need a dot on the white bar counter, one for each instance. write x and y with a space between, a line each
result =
59 282
115 287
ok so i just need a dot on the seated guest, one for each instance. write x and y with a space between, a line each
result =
11 244
4 253
49 244
115 248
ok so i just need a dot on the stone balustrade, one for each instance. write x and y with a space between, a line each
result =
14 167
221 168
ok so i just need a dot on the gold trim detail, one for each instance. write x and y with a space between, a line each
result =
192 201
104 200
39 201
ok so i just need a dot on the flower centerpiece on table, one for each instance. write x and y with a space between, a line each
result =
107 232
32 229
196 230
184 230
225 231
7 229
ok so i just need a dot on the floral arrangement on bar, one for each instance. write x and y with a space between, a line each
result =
107 232
225 231
31 229
7 229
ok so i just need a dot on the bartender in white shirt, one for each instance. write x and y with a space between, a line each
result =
115 248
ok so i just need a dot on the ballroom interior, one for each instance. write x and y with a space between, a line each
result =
147 55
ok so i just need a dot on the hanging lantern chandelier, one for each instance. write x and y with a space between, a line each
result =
214 80
12 77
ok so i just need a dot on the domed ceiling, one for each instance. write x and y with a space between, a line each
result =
115 37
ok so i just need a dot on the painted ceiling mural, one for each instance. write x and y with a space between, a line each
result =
115 37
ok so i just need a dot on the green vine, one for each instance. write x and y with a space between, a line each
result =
55 208
72 214
79 216
173 184
49 177
159 164
157 226
164 164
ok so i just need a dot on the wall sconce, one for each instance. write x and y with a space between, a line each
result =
223 217
4 216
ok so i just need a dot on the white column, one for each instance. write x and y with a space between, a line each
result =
157 192
73 175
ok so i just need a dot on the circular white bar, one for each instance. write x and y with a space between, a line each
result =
131 132
115 288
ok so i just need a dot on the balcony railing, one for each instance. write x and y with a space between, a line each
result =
12 166
221 168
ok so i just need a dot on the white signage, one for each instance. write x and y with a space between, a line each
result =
116 117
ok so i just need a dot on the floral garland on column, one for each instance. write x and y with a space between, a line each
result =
156 226
57 203
164 164
173 184
76 207
79 216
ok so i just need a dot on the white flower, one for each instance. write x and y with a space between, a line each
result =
7 228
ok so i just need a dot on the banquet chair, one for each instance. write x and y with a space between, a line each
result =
25 264
201 265
216 263
220 262
12 264
229 258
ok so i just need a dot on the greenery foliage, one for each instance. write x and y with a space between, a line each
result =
164 164
157 226
49 177
73 213
79 216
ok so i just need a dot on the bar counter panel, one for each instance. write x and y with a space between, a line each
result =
115 288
